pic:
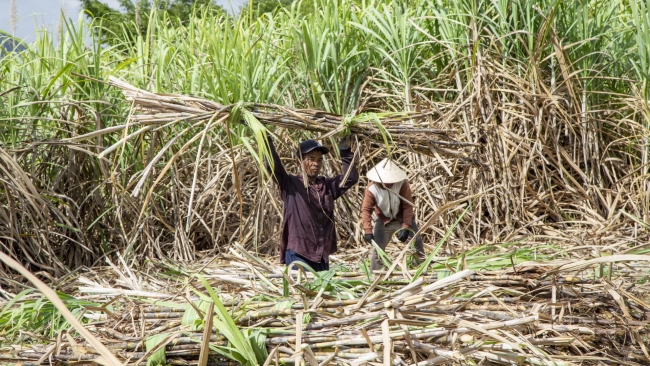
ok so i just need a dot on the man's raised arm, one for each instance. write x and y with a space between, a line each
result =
278 172
338 185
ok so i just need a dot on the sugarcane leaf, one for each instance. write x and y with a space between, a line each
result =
257 338
259 132
236 341
382 255
384 133
443 273
158 357
228 352
285 287
433 253
226 325
363 266
193 319
15 299
643 223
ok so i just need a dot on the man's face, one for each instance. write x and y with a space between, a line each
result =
312 162
388 185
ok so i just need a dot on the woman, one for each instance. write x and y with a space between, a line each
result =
388 202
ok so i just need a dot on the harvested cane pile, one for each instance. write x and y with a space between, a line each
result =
559 313
408 130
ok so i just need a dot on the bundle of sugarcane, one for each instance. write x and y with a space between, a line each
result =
241 310
409 130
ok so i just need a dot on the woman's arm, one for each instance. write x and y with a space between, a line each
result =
405 207
367 208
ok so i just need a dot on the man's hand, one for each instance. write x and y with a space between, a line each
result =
368 238
345 142
403 235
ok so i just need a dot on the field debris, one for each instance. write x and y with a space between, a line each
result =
552 313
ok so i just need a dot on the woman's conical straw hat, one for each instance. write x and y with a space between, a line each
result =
386 172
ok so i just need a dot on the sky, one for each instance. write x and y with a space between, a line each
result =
33 14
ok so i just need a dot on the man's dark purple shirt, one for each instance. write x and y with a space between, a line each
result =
308 227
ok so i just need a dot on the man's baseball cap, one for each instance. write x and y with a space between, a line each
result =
310 145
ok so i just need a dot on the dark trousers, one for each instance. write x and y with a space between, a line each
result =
290 256
382 235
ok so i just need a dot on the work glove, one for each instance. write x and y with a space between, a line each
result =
345 142
368 238
403 235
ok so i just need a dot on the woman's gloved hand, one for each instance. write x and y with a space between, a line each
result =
403 235
368 238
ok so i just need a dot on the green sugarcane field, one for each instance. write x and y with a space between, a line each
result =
326 182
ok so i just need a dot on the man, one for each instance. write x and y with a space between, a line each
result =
388 202
308 229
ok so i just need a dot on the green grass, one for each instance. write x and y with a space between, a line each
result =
38 315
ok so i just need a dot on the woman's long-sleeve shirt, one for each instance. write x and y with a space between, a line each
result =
308 227
405 213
